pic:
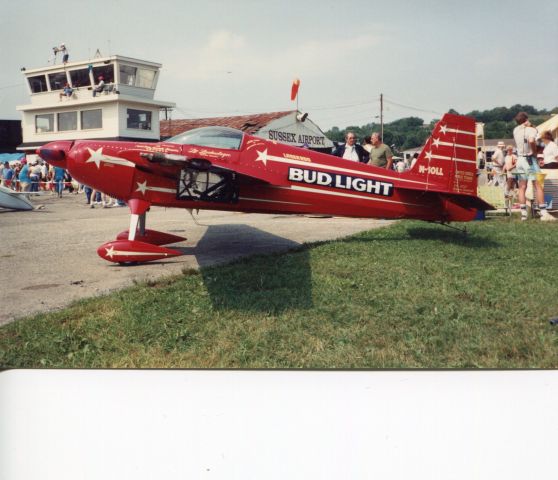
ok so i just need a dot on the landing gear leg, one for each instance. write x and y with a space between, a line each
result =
138 209
142 219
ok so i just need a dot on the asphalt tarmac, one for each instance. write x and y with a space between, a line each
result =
49 255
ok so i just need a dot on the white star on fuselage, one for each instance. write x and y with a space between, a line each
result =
142 187
110 252
96 156
262 157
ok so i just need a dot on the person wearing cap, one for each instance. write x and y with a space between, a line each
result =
498 164
527 168
550 152
100 86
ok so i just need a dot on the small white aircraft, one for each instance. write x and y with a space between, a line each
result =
14 200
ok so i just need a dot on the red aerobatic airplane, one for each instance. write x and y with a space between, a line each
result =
221 168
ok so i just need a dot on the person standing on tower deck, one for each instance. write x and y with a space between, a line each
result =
65 53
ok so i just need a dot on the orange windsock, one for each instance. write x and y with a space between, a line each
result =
294 88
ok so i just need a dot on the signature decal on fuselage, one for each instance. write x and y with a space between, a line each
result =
336 180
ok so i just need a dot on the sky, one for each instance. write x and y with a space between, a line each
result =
237 57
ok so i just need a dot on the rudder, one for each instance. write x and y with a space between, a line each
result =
448 159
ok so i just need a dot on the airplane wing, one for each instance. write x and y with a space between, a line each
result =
164 164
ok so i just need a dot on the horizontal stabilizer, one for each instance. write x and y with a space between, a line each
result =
467 201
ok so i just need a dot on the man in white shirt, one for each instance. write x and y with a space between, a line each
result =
100 86
497 165
525 136
351 150
550 152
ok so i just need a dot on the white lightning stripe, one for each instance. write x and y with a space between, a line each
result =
464 132
271 201
161 189
118 161
448 144
142 187
125 253
442 157
337 169
350 195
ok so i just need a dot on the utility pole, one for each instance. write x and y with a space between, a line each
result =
382 116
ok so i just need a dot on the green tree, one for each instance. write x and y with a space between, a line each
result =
411 132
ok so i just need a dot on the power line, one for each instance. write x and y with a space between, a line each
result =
190 111
412 108
348 105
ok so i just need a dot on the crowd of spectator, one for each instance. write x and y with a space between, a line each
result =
37 176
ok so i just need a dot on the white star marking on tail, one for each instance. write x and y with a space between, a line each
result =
443 129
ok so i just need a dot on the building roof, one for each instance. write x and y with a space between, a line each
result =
247 123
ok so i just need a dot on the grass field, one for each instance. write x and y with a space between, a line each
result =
412 295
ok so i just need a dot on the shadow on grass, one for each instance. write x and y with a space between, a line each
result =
261 283
469 239
430 233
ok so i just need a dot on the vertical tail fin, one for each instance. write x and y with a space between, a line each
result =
448 161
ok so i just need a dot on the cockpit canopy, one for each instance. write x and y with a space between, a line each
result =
216 137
